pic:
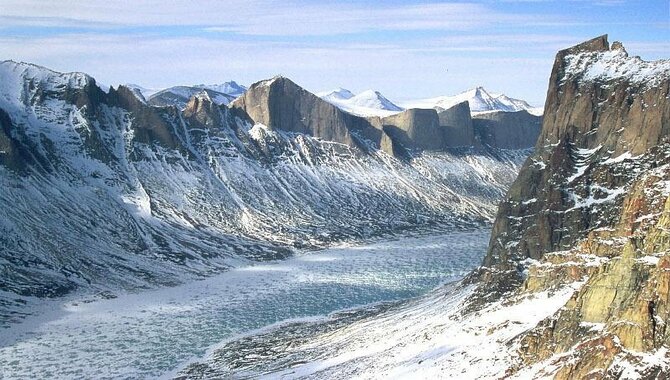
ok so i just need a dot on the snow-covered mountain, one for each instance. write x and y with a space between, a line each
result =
179 96
102 190
479 99
144 91
231 88
367 103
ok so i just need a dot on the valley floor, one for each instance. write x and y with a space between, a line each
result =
158 332
429 337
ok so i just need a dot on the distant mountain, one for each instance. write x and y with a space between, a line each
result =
144 91
338 94
479 99
179 96
367 103
229 88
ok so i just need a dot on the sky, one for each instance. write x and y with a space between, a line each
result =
405 49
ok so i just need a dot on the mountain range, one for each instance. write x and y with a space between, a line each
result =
103 190
179 96
480 101
373 103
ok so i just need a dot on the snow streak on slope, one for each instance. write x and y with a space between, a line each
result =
479 100
97 204
367 103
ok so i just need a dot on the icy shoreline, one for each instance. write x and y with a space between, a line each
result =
153 332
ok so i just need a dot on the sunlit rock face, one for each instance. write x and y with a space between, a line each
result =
590 207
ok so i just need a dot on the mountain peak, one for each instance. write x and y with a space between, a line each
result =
338 93
597 44
479 99
367 103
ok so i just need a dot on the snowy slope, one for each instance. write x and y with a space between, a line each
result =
231 88
146 92
479 99
102 191
432 337
179 96
367 103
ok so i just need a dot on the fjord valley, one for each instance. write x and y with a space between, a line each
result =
220 231
122 210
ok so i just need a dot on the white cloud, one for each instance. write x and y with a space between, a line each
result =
257 17
398 71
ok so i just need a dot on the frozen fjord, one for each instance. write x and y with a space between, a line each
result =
150 333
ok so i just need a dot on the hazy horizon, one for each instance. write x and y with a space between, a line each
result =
405 50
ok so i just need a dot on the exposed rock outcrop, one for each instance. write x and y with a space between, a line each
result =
415 128
507 130
457 127
590 208
282 105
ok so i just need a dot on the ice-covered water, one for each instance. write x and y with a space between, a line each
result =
153 332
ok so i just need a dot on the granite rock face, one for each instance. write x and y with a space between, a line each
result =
594 119
457 126
507 130
282 105
589 209
417 129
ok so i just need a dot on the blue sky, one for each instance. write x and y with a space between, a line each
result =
405 49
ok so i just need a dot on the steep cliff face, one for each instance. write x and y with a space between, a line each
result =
507 130
603 110
282 105
415 129
457 127
590 210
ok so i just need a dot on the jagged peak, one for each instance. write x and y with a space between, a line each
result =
613 64
618 46
31 70
597 44
133 90
202 95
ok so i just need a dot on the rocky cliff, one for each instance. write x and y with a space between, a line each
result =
417 129
590 210
507 130
456 123
282 105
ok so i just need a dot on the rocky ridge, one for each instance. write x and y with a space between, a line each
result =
589 208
